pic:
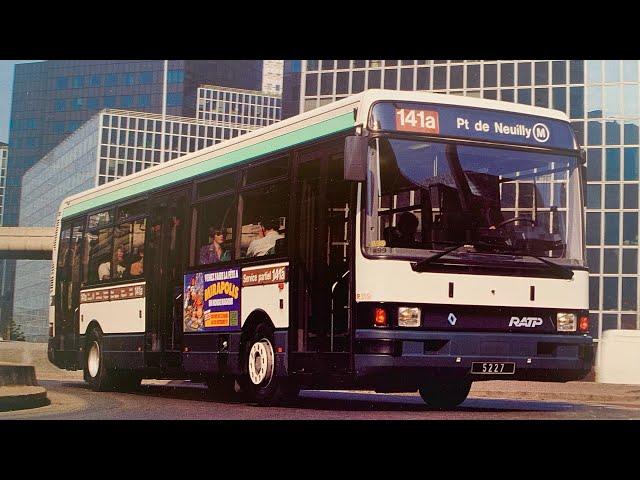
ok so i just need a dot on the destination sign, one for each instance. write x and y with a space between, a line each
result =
472 123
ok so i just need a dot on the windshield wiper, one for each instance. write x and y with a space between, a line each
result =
419 267
561 272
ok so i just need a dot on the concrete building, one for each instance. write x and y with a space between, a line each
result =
602 99
272 76
52 99
232 106
112 144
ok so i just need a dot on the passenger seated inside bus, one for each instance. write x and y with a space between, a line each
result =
137 267
104 270
265 245
213 252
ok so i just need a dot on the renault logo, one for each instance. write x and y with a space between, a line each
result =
452 319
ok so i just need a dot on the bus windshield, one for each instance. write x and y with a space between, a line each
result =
427 196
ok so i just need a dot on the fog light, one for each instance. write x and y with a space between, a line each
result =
380 317
566 322
408 317
583 324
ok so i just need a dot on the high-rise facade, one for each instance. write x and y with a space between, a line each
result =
233 106
52 99
272 76
112 144
4 154
602 99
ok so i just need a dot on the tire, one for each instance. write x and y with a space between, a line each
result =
95 372
259 381
444 395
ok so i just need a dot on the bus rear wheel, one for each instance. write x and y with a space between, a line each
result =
95 372
259 382
443 394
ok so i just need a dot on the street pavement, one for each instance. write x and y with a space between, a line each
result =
180 400
163 399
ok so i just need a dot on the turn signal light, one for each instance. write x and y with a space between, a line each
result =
583 323
380 317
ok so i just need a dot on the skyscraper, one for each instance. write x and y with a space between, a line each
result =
272 76
233 106
51 99
4 153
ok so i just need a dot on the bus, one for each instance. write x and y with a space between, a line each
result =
390 241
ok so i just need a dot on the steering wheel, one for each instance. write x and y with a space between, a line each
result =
516 219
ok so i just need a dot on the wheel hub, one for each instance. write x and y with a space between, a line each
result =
261 362
93 362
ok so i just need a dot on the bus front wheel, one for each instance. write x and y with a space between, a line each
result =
445 394
260 382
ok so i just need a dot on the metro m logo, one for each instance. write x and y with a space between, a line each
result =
541 132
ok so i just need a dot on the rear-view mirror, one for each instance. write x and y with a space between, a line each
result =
355 158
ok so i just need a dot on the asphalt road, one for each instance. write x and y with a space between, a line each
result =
73 400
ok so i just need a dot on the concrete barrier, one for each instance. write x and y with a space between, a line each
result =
12 374
619 357
19 388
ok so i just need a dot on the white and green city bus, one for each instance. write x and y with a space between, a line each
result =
395 241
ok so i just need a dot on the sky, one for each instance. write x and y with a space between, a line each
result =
6 84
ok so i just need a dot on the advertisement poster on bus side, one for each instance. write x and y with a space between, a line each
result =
212 300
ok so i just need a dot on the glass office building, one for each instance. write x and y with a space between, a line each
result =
111 145
52 99
232 106
602 99
4 154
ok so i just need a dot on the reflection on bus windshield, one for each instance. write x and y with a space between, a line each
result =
435 194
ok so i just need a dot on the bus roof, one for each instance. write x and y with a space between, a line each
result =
315 124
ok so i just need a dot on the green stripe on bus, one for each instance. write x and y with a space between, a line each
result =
334 125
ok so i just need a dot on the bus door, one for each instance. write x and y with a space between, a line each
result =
322 252
67 291
166 254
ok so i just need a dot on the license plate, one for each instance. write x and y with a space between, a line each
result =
493 368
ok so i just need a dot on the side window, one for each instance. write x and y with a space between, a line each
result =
216 219
62 272
278 167
128 253
98 263
76 248
264 220
63 249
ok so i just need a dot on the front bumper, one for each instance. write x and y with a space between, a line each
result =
412 356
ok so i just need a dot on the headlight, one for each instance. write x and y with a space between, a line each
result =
567 322
408 317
